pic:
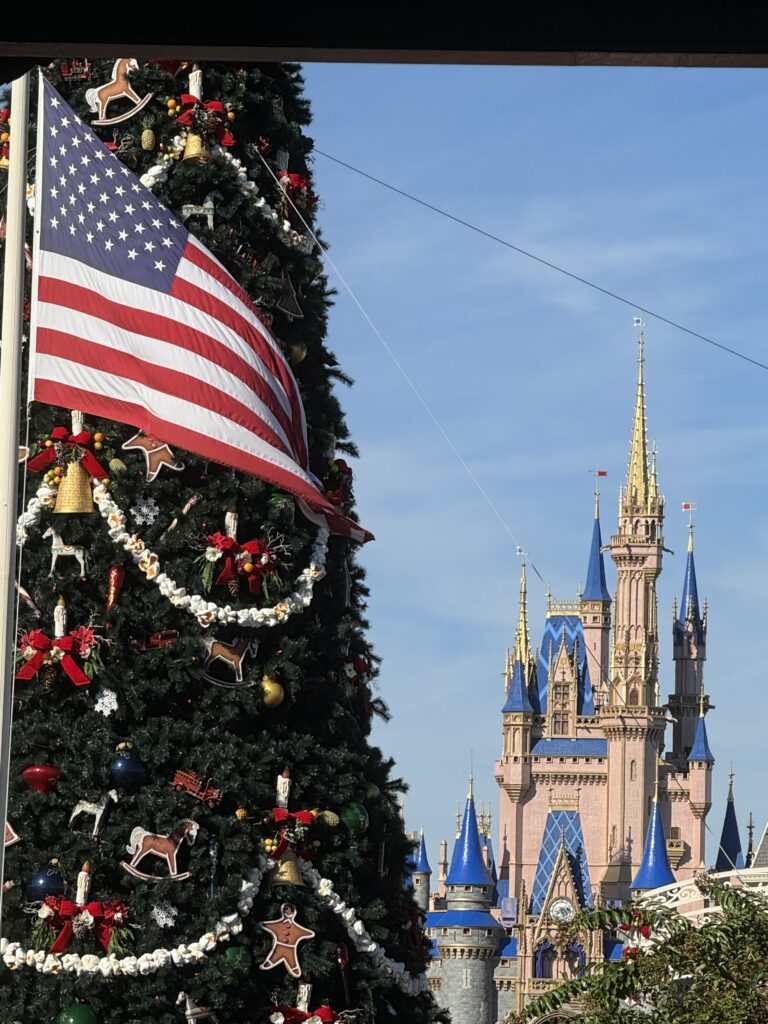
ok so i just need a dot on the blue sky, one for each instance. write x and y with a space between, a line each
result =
652 183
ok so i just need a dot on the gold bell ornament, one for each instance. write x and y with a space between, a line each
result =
195 150
286 871
74 493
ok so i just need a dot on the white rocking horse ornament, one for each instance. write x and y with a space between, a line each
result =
118 88
98 810
194 1012
144 844
60 549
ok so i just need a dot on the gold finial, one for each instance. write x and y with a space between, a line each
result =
690 536
471 791
701 702
522 637
637 473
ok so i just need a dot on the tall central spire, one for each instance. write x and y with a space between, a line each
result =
637 473
523 652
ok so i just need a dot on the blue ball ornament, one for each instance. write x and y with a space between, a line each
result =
46 882
128 771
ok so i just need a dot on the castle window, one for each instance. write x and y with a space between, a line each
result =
466 931
632 771
466 978
467 888
633 698
488 932
443 931
560 723
561 693
674 832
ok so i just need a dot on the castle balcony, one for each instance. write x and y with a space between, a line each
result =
675 852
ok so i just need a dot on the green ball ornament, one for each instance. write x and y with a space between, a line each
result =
78 1013
355 817
237 956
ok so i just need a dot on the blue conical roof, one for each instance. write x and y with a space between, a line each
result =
700 750
596 588
654 869
729 855
517 698
421 864
467 864
689 602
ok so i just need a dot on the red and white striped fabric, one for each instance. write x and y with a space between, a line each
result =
134 320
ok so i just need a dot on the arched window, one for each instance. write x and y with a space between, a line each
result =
632 771
544 960
633 698
613 837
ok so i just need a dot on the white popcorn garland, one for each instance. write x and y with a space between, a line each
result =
206 612
15 956
158 173
411 985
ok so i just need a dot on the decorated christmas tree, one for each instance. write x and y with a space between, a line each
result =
198 826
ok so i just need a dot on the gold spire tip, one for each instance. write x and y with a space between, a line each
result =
690 536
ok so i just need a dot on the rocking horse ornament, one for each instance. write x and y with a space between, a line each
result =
193 1012
97 809
144 844
118 88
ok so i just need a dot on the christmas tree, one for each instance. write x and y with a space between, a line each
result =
198 826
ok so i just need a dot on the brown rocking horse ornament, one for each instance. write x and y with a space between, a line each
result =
118 88
144 844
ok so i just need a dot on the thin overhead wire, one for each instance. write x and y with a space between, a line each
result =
547 263
404 373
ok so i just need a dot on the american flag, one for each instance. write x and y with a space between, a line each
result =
134 320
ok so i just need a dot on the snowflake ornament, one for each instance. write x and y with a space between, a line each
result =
106 702
146 510
164 915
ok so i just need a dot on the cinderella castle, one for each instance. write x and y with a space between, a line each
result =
594 807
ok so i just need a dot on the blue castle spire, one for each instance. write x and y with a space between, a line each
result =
729 855
700 750
421 863
654 869
517 698
519 664
689 602
596 588
467 864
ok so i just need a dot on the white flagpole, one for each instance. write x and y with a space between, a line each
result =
10 383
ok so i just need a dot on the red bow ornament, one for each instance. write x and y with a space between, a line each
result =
72 919
60 441
290 1015
292 828
209 118
254 560
37 649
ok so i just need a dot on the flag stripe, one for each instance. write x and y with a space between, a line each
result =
160 407
98 320
143 372
177 435
169 319
216 302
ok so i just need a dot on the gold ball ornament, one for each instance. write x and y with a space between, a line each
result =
248 567
98 445
171 104
298 352
49 443
241 813
98 436
274 694
329 818
230 115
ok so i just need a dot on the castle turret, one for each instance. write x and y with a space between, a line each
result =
729 855
689 635
595 612
420 876
632 720
700 762
466 935
513 769
654 869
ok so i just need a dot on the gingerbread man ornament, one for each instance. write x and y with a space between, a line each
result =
286 936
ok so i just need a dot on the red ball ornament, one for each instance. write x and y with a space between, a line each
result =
42 777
